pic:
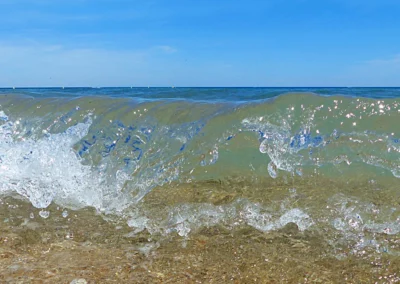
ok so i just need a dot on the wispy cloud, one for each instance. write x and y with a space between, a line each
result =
34 63
374 72
395 60
52 48
166 48
55 65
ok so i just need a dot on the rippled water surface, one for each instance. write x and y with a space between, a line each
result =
207 184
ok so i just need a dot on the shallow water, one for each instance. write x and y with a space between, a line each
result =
74 244
200 185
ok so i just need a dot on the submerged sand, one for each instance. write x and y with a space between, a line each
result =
83 245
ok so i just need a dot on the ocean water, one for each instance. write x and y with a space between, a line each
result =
320 165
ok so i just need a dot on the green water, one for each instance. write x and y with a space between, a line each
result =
298 189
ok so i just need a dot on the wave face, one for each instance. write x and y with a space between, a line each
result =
174 165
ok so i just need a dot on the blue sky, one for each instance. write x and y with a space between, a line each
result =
199 43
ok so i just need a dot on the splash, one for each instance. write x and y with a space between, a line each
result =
47 169
127 149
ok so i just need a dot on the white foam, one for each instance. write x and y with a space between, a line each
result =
186 218
277 142
47 169
357 222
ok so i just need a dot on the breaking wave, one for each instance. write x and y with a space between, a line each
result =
111 153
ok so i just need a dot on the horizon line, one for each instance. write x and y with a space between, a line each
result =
174 87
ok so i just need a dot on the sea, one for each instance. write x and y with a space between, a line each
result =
200 185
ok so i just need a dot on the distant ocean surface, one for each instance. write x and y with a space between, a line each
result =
175 160
231 94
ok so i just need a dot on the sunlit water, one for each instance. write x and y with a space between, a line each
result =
249 179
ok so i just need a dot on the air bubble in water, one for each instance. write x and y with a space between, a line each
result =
31 216
3 116
65 214
44 214
214 154
264 147
299 172
272 169
396 172
78 281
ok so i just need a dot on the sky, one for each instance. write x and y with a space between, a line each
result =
267 43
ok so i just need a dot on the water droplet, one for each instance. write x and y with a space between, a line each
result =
65 214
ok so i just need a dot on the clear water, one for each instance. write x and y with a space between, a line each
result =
321 164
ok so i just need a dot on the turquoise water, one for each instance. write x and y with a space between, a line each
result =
203 94
174 160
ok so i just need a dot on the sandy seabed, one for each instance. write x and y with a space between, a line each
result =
84 247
